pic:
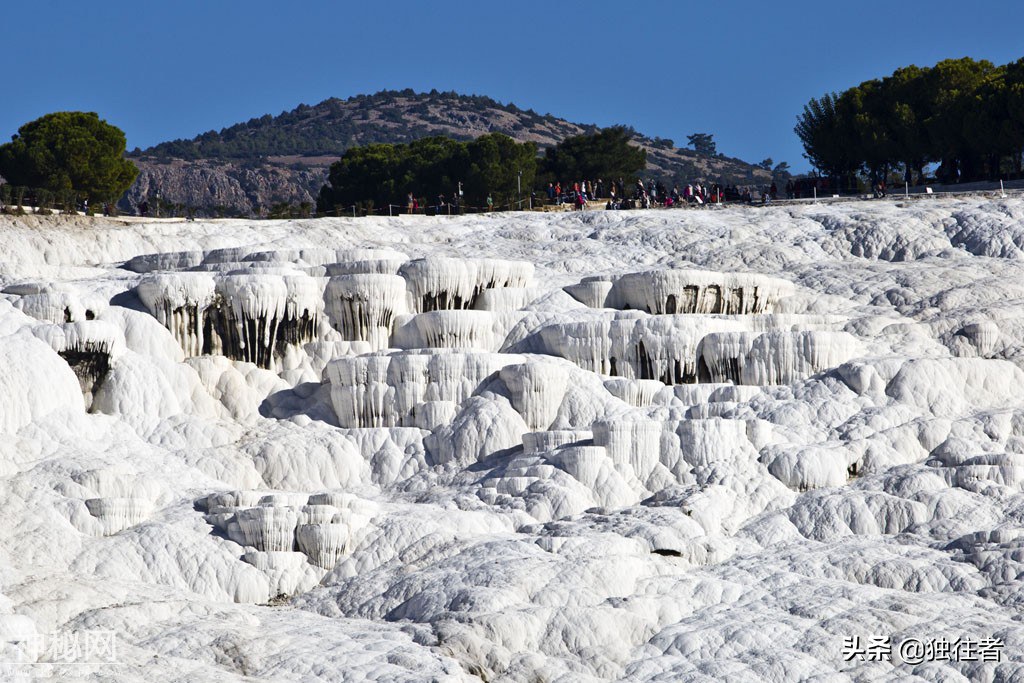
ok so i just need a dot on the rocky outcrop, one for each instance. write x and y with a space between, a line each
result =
213 187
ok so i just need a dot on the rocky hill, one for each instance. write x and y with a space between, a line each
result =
250 167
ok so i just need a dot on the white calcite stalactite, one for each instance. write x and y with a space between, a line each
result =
439 283
292 537
259 314
89 347
536 443
502 274
117 514
249 315
363 396
536 389
233 499
302 312
697 291
786 357
662 348
777 357
635 392
364 307
179 301
446 330
287 573
723 356
251 308
370 266
591 291
982 336
365 256
636 443
271 529
389 389
324 543
312 513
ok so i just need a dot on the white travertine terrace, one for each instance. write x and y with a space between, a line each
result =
591 291
697 291
505 299
89 347
363 255
57 302
537 388
363 307
266 528
367 261
117 514
248 316
661 348
180 260
446 329
638 392
179 301
389 389
325 543
441 283
799 423
776 357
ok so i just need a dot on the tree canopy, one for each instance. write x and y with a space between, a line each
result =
69 151
966 115
702 143
604 154
381 174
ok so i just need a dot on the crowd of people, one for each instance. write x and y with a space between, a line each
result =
654 193
643 195
617 195
579 193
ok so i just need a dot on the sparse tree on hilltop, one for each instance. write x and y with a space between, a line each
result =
702 143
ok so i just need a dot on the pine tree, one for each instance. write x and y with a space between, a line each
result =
69 151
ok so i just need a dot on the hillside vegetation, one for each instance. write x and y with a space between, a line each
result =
246 168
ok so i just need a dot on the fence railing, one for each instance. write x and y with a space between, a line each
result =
17 199
436 209
25 200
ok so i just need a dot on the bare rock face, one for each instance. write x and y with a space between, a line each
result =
221 187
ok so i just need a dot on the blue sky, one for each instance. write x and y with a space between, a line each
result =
741 71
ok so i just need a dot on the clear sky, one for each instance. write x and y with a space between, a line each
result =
741 71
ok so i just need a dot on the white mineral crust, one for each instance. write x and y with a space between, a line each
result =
606 445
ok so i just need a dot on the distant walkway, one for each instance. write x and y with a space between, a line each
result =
1012 188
